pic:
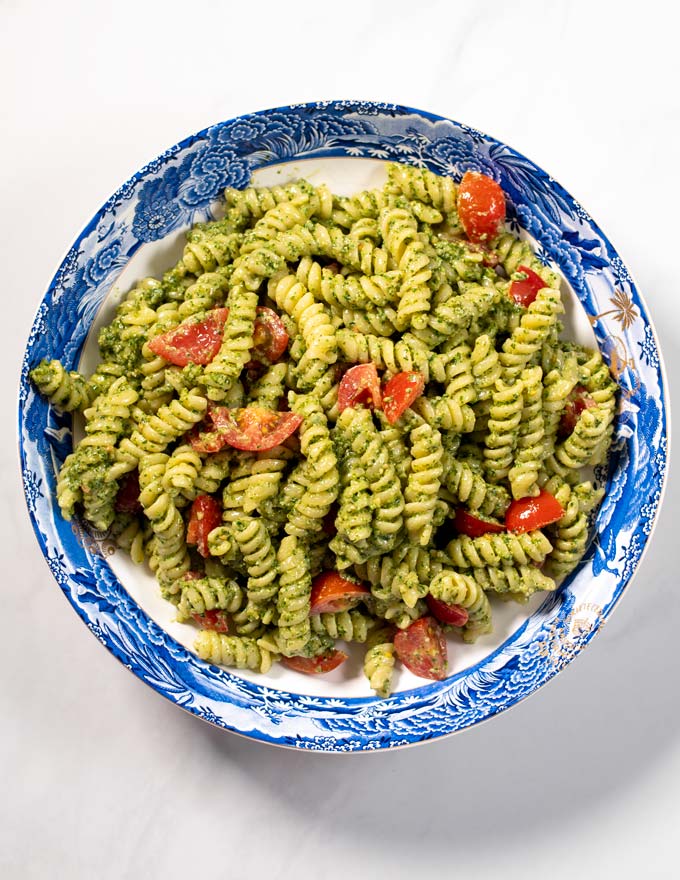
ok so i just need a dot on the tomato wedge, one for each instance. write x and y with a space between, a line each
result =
399 393
206 515
524 290
422 648
360 385
579 400
481 206
194 342
127 499
253 428
208 442
215 620
316 665
332 593
474 526
270 337
527 514
454 615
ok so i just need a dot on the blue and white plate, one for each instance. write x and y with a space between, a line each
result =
139 231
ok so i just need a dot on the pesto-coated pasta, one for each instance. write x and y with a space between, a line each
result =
263 464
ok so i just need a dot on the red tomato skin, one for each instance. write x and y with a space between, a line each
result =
360 385
473 526
215 620
578 401
254 428
528 514
400 392
421 647
524 292
208 442
206 515
270 337
332 593
127 499
481 206
194 342
316 665
453 615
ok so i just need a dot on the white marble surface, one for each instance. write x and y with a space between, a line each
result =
101 778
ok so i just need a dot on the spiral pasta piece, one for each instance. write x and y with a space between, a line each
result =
379 661
237 340
362 437
321 472
557 386
208 291
499 549
348 291
154 433
523 475
533 330
348 209
485 366
315 326
241 652
570 538
351 626
471 489
354 518
181 473
65 389
170 554
268 390
456 588
419 183
259 556
209 248
406 354
423 482
208 594
580 446
505 414
400 234
518 581
293 600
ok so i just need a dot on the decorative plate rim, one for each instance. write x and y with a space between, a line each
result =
347 128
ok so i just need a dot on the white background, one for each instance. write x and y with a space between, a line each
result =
99 776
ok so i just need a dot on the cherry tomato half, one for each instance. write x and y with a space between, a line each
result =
400 392
253 428
316 665
332 593
481 206
578 400
193 341
206 515
474 526
127 499
524 290
360 385
527 514
270 337
454 615
215 620
422 648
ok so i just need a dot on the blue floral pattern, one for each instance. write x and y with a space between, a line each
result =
183 185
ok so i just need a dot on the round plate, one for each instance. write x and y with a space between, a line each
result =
140 230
